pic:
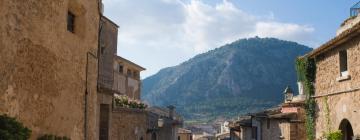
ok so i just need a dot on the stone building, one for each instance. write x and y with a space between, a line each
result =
224 133
337 88
48 65
127 75
287 121
169 122
241 129
184 134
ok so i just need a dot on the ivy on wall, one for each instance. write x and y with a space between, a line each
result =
330 134
306 70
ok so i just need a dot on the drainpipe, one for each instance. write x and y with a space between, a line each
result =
87 92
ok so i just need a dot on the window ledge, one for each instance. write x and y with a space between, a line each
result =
343 78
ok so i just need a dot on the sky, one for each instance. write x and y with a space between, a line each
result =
162 33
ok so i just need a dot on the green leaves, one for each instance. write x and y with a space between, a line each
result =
335 135
10 129
306 71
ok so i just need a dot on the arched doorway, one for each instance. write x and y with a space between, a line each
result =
346 129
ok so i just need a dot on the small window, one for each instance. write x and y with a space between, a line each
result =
121 68
135 74
71 22
268 123
343 63
129 73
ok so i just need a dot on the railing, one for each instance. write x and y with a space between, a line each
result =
355 9
119 84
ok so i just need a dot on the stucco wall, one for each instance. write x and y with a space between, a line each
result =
345 104
43 66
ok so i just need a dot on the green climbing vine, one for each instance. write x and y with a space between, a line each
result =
306 69
330 134
327 115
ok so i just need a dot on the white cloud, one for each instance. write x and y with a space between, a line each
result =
160 33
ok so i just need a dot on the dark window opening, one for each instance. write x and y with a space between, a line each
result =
268 123
343 63
178 137
121 68
129 73
71 22
102 49
135 74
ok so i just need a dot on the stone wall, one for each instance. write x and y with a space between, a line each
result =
129 124
184 136
343 96
43 66
108 48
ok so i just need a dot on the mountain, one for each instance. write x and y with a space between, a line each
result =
244 76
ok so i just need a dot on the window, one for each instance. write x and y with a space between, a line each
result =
71 22
268 123
121 68
129 73
343 63
135 74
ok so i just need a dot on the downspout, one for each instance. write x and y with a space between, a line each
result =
87 92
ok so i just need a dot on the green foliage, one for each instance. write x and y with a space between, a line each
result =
335 135
10 129
306 70
52 137
208 110
327 114
124 101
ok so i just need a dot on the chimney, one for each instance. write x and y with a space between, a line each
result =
171 111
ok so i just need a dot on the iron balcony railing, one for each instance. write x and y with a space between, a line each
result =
355 9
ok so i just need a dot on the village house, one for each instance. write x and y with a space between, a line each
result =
337 81
122 114
241 129
128 80
224 133
168 123
60 75
48 65
287 121
184 134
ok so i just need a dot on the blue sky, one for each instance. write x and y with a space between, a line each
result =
162 33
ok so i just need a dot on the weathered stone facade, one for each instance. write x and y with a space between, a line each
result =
340 94
45 69
127 78
129 124
108 47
